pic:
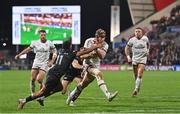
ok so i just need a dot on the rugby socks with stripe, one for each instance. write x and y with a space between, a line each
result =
103 87
138 83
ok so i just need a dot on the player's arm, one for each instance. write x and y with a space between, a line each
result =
101 53
54 56
88 50
89 55
127 47
148 47
76 64
26 50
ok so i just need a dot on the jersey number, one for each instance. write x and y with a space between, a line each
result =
60 59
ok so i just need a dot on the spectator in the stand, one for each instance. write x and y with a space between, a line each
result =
7 63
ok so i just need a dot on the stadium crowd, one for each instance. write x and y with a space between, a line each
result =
162 52
164 38
164 41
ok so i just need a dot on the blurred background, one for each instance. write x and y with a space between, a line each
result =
79 19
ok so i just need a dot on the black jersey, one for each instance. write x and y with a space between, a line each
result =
63 63
75 71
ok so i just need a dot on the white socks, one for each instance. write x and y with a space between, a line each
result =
138 83
103 87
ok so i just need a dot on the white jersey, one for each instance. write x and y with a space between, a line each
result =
42 51
139 49
95 60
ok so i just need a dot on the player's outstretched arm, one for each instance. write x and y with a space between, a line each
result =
26 50
88 50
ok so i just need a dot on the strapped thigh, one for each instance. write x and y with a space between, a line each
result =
92 70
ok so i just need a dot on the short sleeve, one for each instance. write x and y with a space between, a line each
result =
52 46
147 39
105 47
130 42
32 45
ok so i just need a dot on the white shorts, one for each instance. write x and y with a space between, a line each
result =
41 66
140 61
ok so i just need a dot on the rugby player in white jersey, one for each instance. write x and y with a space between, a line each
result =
42 48
92 68
139 44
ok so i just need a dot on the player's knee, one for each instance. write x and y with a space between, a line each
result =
43 89
33 80
39 81
64 90
99 76
140 76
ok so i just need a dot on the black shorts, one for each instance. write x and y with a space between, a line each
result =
53 84
70 78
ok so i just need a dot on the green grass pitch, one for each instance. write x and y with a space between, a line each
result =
160 93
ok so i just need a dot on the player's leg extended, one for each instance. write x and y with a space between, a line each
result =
140 69
34 73
99 77
41 94
65 84
40 78
135 70
87 79
140 74
77 80
36 95
67 79
52 86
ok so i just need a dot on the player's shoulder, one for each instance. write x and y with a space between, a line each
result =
145 38
49 42
132 39
36 42
105 44
72 54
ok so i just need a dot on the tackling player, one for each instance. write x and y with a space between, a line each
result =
53 83
74 73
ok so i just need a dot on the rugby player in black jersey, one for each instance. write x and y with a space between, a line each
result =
53 82
73 74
